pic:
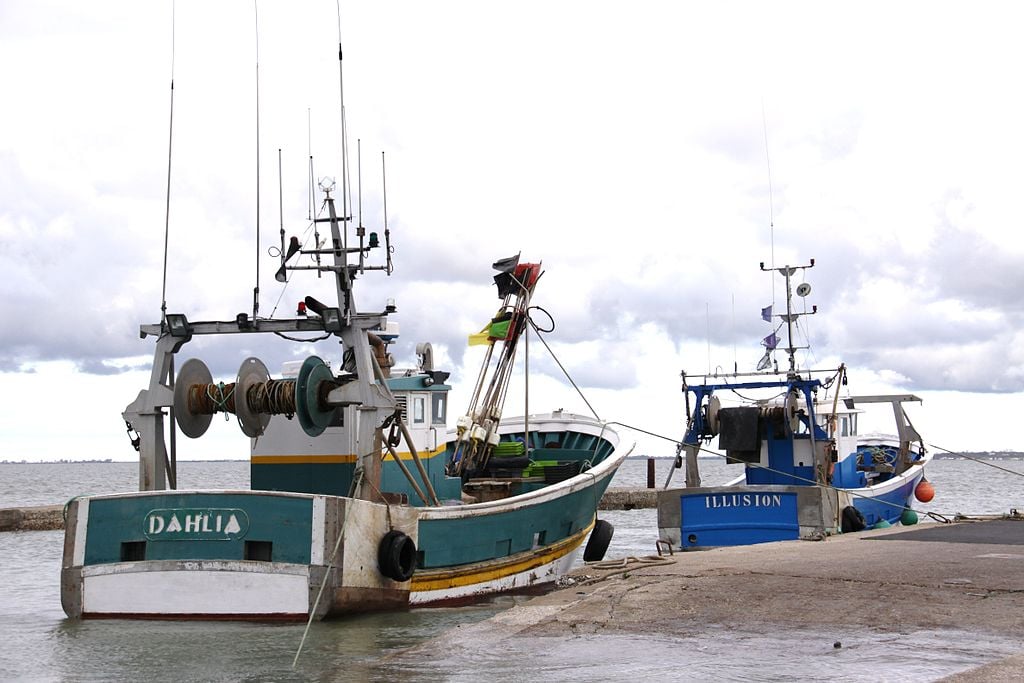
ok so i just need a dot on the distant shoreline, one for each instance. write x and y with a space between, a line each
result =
982 455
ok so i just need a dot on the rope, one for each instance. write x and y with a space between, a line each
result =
276 397
207 399
559 363
323 584
977 460
64 514
297 339
644 431
765 467
623 566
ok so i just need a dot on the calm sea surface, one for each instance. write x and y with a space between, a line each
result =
39 643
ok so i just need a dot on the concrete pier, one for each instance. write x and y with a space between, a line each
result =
39 518
628 498
964 577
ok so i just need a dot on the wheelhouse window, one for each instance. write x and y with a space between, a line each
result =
439 408
419 410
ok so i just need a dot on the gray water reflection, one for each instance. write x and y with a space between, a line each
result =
348 649
716 653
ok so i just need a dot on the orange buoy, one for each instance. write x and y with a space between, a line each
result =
924 491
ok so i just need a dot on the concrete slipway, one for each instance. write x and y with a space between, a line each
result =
964 578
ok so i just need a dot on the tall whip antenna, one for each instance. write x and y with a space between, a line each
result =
256 289
280 199
771 207
345 198
170 147
387 232
309 149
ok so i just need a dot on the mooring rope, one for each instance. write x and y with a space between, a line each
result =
977 460
323 584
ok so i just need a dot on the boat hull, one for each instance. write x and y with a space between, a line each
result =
275 556
695 518
292 556
704 517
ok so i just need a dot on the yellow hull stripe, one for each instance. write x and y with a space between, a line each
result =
330 459
302 459
424 455
492 570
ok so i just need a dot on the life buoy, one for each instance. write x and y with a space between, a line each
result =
852 520
597 544
396 556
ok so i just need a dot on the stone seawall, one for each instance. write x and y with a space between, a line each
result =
39 518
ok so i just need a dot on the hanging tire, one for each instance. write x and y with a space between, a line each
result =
597 544
852 520
396 556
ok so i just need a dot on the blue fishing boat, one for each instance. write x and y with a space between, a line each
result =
808 472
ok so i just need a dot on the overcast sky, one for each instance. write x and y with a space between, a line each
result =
651 154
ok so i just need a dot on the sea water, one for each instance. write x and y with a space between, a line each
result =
39 643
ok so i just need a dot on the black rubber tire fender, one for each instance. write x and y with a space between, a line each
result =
852 520
597 544
396 556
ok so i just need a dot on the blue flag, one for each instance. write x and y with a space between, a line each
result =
766 313
771 341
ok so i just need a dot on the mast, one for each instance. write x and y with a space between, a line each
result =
477 430
790 317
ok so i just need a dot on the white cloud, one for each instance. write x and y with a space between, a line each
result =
626 146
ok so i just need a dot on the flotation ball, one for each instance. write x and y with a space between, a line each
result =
882 524
924 491
908 518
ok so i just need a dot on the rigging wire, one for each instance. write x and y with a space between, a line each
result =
559 363
170 148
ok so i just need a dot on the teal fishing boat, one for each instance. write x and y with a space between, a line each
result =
360 499
360 496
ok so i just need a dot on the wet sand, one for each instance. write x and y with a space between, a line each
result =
967 577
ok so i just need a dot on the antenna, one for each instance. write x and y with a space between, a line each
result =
170 147
387 232
309 148
707 323
256 289
345 198
790 318
735 359
280 201
771 206
360 230
173 466
312 193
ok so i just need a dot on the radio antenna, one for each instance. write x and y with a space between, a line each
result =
170 147
309 148
280 201
360 230
771 207
256 289
387 232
